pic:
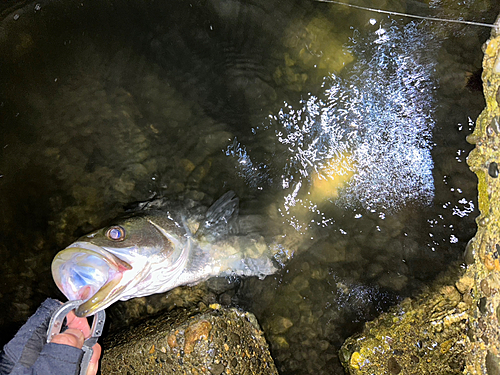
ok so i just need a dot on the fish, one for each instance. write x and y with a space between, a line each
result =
155 249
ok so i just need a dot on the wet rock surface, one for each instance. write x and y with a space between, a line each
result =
484 249
454 327
213 340
427 334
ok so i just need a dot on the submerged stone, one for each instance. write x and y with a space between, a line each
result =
426 335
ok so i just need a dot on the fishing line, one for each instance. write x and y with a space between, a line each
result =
410 15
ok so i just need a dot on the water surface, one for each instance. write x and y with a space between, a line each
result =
345 129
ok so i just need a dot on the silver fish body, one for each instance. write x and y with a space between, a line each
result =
154 251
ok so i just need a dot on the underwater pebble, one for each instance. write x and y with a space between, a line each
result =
125 184
187 166
309 332
393 366
199 173
395 247
319 273
374 270
330 252
323 345
280 324
195 195
279 342
196 332
492 364
294 297
137 170
464 284
482 305
469 252
393 281
300 283
493 170
378 240
496 66
225 299
485 287
219 285
494 126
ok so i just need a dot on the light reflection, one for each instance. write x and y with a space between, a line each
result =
364 140
368 136
468 207
253 175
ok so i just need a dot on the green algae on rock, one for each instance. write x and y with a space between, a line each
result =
211 340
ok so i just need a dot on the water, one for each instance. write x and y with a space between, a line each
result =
346 128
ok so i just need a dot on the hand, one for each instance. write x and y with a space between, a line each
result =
28 351
78 330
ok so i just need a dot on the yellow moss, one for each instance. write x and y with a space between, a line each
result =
491 104
446 346
356 360
492 48
482 187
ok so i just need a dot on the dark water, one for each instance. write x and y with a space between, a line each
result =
103 104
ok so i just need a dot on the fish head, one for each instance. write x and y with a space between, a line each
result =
103 266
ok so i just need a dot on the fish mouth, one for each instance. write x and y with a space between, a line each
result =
91 273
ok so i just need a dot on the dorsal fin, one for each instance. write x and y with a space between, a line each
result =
221 217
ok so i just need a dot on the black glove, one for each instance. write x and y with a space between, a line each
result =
29 353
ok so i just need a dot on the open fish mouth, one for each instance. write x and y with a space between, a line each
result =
90 273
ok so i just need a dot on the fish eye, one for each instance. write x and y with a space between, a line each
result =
116 233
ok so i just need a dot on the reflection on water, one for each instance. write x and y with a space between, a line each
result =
380 114
344 129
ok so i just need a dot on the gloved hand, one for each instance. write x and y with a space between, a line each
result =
29 353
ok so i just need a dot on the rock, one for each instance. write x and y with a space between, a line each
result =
430 328
464 284
212 340
279 325
393 281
